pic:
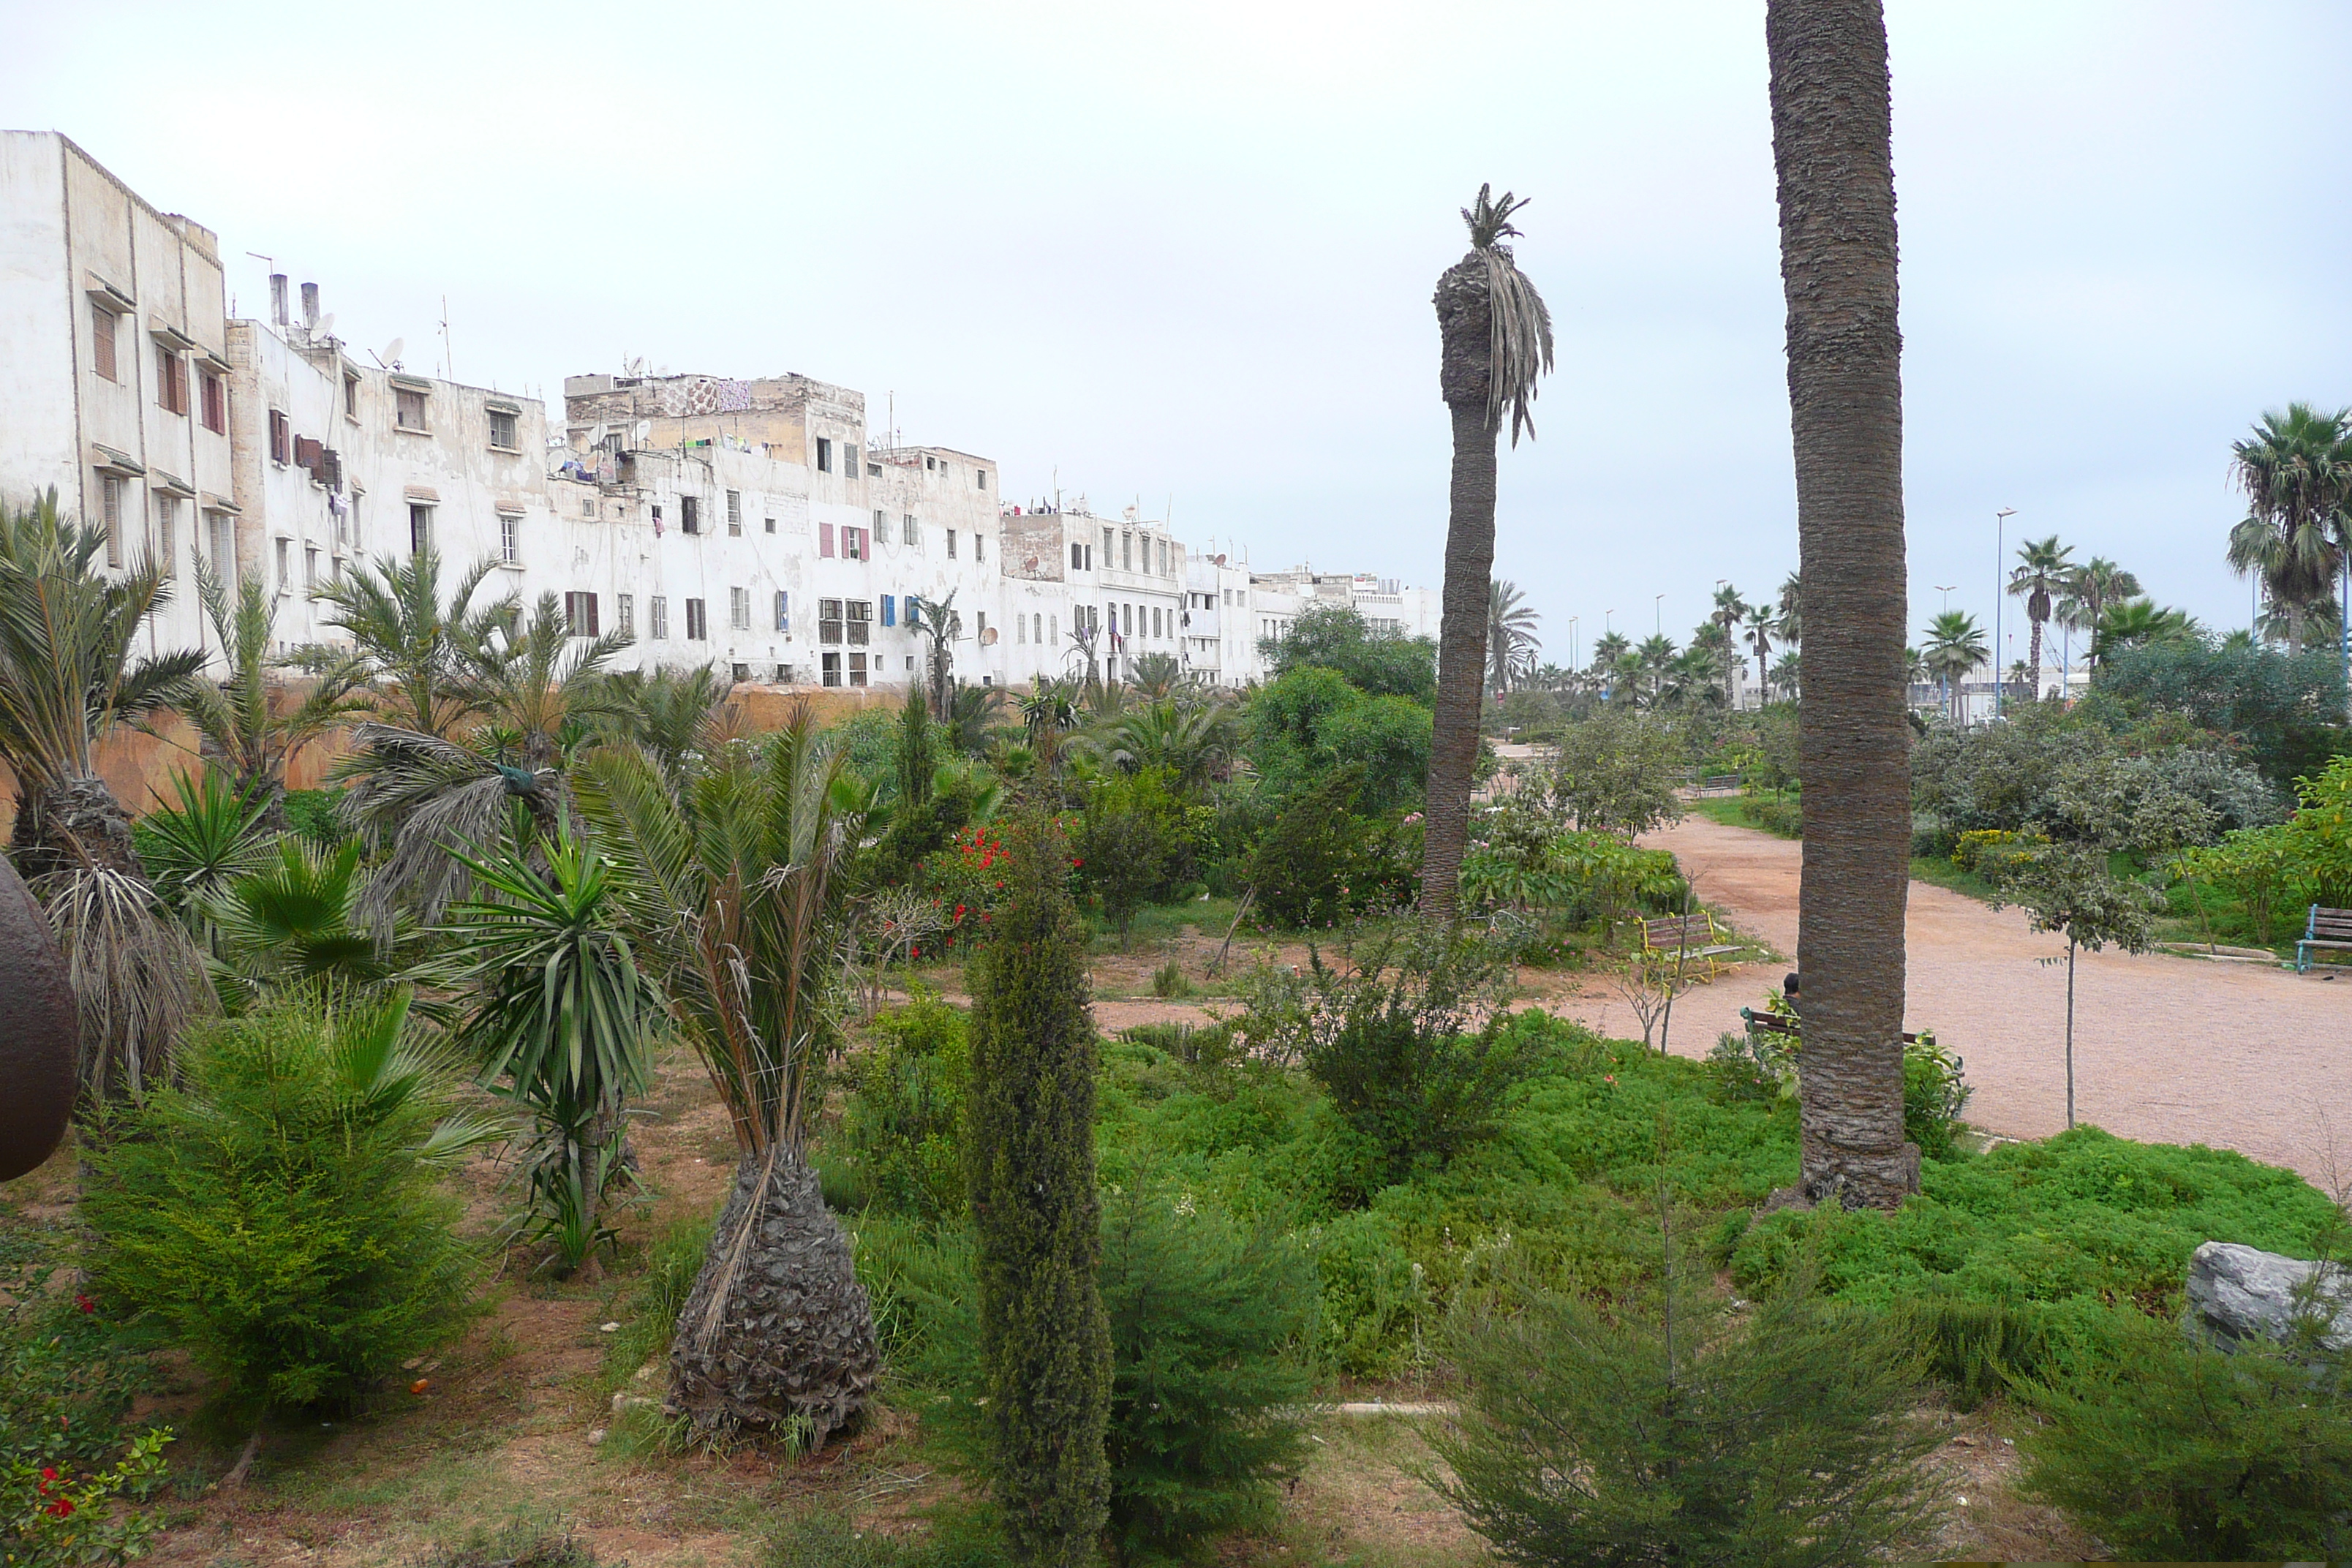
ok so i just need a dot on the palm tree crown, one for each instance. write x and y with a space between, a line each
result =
1956 645
1520 324
2296 471
2041 571
1511 641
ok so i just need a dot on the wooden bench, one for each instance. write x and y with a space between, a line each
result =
1692 936
1718 783
2325 929
1785 1024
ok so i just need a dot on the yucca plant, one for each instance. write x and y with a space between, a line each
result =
728 895
559 1016
200 845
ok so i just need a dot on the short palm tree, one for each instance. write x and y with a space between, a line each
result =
1194 743
1495 340
2296 471
245 729
728 895
295 921
559 1017
1511 641
1049 712
201 843
1790 602
2139 623
1656 654
1156 676
535 683
412 644
2041 571
1608 648
1956 645
68 678
677 714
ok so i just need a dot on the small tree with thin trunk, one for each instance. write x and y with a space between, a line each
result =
1045 1342
1830 125
1496 339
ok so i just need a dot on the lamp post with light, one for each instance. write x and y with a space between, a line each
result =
1999 592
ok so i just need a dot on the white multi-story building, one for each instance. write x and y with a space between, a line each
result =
747 524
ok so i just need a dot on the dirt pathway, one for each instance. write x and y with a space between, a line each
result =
2168 1050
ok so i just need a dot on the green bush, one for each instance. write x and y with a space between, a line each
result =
1774 815
1667 1430
312 814
283 1216
2177 1451
831 1540
1319 862
1134 844
1208 1326
1934 1095
902 1130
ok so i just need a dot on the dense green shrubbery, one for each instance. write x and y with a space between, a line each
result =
2068 1240
2178 1451
1134 843
901 1130
1319 862
283 1214
2286 710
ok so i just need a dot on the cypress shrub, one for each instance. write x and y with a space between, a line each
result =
1044 1344
283 1214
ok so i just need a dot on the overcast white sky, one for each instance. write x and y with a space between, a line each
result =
1186 250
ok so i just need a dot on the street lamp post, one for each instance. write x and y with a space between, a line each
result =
1660 607
1999 592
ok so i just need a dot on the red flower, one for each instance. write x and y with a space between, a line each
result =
62 1508
959 912
84 1303
1076 863
48 1474
987 916
916 951
986 861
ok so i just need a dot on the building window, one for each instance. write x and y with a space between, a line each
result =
502 429
979 545
912 532
861 622
823 455
929 462
856 669
889 610
1052 630
285 561
1020 628
216 403
980 624
1156 629
310 566
101 343
980 475
223 545
743 671
351 395
281 437
739 608
167 528
170 381
950 544
853 543
698 625
1163 558
735 514
407 408
1078 557
831 663
1125 550
110 504
783 612
690 514
420 528
849 458
1107 556
824 539
624 614
580 615
509 539
771 525
828 620
914 611
657 617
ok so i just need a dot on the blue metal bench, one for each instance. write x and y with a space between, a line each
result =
2325 929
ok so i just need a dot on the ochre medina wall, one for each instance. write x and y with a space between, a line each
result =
138 763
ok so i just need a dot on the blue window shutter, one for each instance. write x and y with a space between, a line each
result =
783 611
889 610
914 610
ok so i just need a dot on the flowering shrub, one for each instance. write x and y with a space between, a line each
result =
52 1517
965 880
1991 851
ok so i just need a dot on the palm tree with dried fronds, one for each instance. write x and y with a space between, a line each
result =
1956 646
1156 676
677 715
1831 134
1194 743
2041 571
1511 641
1730 609
2296 471
1496 339
728 893
245 729
1762 625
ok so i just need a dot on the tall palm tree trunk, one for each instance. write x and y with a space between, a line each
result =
2033 657
1830 140
1465 328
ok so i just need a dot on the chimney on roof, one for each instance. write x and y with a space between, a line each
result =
278 300
310 306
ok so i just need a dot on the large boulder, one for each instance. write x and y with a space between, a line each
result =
38 1028
2240 1293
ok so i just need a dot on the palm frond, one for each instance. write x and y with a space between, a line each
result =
136 977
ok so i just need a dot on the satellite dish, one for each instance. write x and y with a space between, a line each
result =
327 325
988 637
391 355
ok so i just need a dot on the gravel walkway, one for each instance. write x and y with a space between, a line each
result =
2167 1049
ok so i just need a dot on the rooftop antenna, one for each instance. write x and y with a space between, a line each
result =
449 361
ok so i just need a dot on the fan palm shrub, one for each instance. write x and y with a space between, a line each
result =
294 920
558 1016
1496 339
199 846
729 896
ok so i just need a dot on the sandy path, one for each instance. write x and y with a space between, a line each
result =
2167 1049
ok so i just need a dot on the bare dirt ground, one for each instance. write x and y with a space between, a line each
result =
2167 1048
